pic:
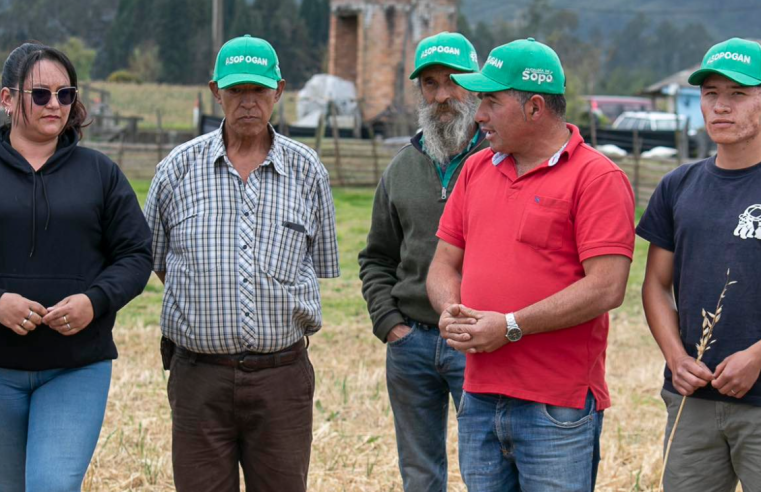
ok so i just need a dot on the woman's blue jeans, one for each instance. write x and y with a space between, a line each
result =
49 426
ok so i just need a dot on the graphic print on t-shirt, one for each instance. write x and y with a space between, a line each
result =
750 223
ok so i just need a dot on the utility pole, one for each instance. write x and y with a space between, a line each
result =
217 24
217 37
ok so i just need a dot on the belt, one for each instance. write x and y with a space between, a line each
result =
424 326
248 361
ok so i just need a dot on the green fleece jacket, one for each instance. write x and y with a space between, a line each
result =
393 266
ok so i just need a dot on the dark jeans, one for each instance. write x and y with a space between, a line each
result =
421 372
223 416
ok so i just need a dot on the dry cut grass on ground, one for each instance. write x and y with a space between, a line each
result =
354 447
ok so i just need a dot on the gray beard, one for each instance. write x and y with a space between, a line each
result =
446 139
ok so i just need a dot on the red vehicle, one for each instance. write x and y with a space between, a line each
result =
612 106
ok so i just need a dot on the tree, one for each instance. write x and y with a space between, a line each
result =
144 62
316 15
80 55
289 36
133 21
483 40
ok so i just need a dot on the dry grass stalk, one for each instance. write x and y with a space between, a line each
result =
710 320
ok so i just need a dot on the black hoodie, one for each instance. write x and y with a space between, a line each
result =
72 227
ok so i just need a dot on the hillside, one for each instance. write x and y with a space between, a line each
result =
722 18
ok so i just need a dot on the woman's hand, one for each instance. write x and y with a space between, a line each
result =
20 314
70 316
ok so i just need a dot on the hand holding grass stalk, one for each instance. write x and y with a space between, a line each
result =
710 320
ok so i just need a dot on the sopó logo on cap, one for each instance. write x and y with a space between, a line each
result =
232 60
538 75
729 55
440 49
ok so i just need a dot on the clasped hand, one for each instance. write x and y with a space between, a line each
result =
471 331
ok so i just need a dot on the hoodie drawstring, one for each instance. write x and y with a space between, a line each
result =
47 202
34 208
34 211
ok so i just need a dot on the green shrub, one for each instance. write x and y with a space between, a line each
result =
124 76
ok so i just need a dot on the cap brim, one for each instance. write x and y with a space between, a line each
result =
246 78
416 73
699 76
477 82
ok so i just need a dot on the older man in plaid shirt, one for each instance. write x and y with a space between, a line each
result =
243 224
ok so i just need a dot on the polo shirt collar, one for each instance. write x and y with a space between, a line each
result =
274 156
565 151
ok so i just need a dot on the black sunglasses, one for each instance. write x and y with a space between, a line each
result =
41 97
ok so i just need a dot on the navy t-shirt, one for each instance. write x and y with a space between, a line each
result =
710 218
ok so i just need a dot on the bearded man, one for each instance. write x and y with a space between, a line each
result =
421 370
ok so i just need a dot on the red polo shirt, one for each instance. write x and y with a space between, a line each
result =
524 240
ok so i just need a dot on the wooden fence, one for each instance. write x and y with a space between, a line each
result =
350 162
644 174
354 162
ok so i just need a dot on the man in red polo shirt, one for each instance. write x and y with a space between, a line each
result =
535 247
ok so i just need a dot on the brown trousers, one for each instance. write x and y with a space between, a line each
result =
224 416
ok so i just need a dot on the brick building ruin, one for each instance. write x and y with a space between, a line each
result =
372 43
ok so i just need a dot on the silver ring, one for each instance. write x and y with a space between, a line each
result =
68 326
65 320
29 316
23 323
733 392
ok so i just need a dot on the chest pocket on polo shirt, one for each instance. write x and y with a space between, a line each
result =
282 255
545 222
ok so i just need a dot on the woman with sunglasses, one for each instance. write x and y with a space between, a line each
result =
74 249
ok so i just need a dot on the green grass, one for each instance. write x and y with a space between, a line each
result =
141 189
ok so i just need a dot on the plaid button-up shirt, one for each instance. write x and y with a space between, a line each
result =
241 259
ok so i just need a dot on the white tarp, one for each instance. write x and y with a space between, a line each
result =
322 88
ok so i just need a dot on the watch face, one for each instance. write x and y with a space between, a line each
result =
514 334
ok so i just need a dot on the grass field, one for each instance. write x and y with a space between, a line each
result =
354 447
176 103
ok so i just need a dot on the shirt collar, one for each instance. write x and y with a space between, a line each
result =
565 151
274 156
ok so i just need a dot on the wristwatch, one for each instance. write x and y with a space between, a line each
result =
514 332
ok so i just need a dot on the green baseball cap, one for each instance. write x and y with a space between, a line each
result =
523 65
450 49
736 59
247 60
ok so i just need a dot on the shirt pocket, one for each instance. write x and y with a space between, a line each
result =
282 257
545 222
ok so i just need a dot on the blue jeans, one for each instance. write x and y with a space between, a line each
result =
509 445
49 426
421 372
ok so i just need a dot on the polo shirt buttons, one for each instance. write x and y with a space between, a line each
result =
246 214
245 246
245 280
245 313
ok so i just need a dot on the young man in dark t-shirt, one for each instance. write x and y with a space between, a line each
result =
703 220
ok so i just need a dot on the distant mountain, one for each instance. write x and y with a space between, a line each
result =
722 18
